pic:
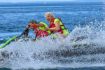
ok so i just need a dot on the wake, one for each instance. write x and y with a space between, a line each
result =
83 46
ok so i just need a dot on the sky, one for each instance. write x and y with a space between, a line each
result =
15 1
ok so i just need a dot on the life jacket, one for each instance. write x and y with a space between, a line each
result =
44 27
40 31
63 30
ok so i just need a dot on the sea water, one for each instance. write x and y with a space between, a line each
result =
85 21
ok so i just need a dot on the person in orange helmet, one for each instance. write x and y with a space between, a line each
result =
39 28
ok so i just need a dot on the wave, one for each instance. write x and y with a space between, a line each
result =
84 47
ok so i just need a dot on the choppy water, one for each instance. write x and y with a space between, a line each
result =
84 21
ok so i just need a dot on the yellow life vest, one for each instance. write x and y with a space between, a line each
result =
63 28
44 27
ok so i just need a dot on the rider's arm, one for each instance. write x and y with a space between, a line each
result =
40 24
57 25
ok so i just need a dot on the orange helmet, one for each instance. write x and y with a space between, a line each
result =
33 24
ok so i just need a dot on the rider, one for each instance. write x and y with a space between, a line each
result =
56 25
39 28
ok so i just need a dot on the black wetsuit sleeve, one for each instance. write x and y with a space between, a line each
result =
25 32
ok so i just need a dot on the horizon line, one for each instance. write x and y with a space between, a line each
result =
52 2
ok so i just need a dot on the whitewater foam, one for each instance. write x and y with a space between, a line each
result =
49 53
